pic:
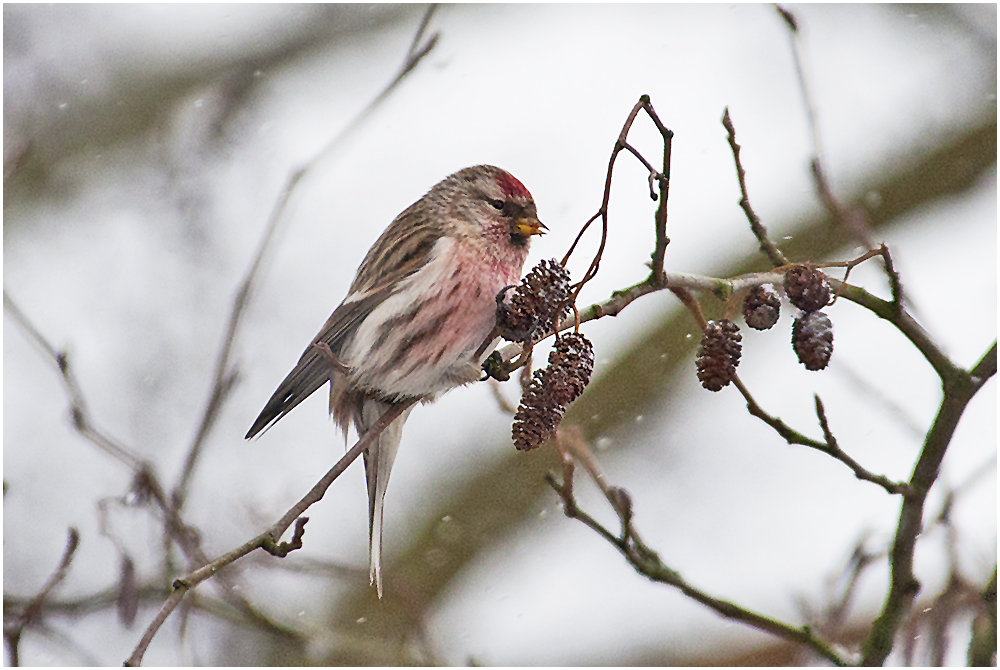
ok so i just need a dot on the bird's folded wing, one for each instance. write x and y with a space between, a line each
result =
313 369
405 248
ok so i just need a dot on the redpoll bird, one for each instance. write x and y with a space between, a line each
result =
419 310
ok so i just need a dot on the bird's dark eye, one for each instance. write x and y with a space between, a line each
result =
497 204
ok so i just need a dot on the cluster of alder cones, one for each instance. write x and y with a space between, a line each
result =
533 310
542 299
812 333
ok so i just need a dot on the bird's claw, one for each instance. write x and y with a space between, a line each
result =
326 353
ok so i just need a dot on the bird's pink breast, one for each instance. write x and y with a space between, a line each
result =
423 339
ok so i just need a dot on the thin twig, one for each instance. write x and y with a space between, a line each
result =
852 220
225 377
791 435
648 563
33 610
269 539
829 447
82 421
760 232
106 599
602 212
787 433
833 449
502 403
800 72
621 144
660 249
621 299
145 481
835 615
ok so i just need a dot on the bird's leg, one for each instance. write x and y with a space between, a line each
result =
326 353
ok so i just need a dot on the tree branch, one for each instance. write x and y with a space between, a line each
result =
33 610
648 563
268 540
759 231
79 412
959 389
833 449
621 144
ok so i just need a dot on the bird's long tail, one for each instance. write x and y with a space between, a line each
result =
378 463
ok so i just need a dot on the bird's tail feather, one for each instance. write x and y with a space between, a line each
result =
378 463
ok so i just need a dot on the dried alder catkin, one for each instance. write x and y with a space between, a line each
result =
537 416
807 288
552 388
812 339
570 363
761 307
719 354
537 304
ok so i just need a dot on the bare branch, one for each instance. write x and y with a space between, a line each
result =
107 599
790 435
959 388
834 616
834 450
674 281
145 481
82 421
661 215
269 539
660 250
852 220
760 232
648 563
903 322
33 610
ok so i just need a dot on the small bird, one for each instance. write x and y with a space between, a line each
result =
415 320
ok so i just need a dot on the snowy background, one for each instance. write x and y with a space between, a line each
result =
145 147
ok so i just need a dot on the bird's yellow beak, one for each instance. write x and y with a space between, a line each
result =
529 226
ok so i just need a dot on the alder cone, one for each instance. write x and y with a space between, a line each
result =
571 361
812 340
542 406
807 288
537 416
719 354
761 308
537 304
